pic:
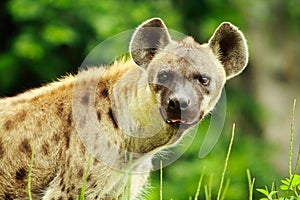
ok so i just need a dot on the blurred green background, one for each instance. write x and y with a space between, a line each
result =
43 40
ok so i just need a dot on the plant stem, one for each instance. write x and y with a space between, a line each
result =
85 179
226 162
292 137
161 177
250 184
199 184
30 173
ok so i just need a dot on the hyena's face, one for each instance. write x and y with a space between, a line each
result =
187 78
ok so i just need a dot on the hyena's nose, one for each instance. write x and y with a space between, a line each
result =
176 103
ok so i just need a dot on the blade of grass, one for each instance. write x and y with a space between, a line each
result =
291 148
292 138
209 186
250 184
225 189
294 172
85 178
226 162
30 174
161 181
207 197
199 184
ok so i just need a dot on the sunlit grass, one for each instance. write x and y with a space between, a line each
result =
30 173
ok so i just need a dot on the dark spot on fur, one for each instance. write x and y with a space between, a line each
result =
96 197
68 161
67 138
25 147
21 115
94 184
104 93
82 148
60 109
85 99
69 189
7 196
96 161
45 148
108 144
88 178
56 138
206 91
21 174
70 198
79 190
61 181
52 198
39 123
112 118
60 198
99 115
69 120
1 149
8 125
80 173
63 188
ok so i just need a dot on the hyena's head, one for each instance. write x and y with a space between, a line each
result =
185 76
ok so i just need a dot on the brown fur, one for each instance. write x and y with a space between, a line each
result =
52 119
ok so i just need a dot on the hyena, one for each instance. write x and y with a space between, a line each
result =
104 124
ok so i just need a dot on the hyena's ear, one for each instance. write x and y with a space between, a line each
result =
148 39
229 45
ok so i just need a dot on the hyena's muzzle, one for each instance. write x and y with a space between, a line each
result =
180 100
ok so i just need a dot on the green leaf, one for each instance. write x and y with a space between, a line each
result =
296 180
286 182
263 191
272 193
284 187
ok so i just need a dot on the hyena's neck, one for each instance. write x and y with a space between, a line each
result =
137 111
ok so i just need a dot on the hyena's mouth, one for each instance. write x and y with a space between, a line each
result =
175 120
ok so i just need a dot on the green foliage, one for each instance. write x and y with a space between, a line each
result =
290 188
45 39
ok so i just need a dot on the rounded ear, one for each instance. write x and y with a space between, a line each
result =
229 45
148 39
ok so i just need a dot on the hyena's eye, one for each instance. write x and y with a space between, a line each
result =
163 77
204 80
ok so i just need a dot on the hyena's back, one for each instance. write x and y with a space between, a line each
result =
42 119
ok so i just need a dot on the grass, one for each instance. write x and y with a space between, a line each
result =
225 165
250 184
30 174
85 179
288 190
